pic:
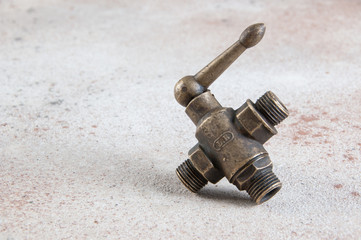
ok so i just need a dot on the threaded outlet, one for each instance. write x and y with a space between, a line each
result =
263 186
190 177
272 108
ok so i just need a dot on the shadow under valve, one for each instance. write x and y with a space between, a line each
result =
230 142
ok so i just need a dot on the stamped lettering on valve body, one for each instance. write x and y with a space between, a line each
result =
223 140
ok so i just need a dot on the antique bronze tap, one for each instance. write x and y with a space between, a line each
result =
230 142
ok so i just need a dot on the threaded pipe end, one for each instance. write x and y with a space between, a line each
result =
190 176
263 186
271 108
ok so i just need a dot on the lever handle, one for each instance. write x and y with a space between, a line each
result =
190 87
249 38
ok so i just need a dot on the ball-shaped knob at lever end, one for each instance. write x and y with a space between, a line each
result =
252 35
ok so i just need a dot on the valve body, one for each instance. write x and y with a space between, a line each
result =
230 142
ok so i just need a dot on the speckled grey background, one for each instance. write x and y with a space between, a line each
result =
90 133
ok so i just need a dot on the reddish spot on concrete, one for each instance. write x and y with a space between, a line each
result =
94 126
293 111
36 129
92 133
316 107
317 135
295 138
357 127
302 132
309 118
337 186
3 124
18 204
324 113
334 119
65 126
355 194
349 157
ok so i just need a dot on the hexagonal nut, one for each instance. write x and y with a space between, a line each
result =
261 163
253 123
203 165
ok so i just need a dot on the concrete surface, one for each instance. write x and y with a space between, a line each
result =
91 134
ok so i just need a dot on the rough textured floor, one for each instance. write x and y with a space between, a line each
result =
90 133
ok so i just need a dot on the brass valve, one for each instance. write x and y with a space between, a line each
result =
230 142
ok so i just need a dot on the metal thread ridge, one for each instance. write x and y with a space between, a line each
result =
190 177
272 108
264 186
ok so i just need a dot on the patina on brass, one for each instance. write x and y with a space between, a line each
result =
230 142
